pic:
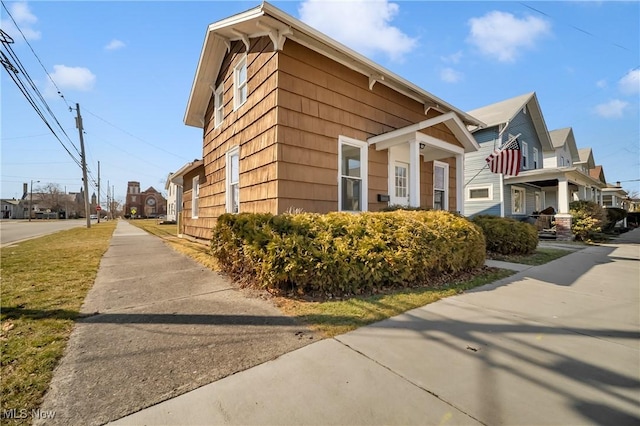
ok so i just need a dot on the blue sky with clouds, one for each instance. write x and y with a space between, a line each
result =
130 66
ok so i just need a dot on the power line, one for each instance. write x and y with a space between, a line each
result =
34 54
134 136
579 29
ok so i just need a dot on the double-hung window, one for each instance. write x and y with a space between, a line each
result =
195 196
525 155
352 174
440 185
233 180
518 200
535 158
218 105
240 83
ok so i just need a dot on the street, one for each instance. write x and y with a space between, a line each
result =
18 230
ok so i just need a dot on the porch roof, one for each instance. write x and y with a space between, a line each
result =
178 176
411 132
539 176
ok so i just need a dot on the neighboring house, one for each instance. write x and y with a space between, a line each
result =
615 196
11 209
148 203
292 119
548 177
188 179
174 199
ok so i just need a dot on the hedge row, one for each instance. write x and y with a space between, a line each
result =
504 235
342 253
587 220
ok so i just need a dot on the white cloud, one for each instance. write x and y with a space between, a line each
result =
115 44
612 109
363 25
449 75
601 84
502 36
630 83
25 20
70 78
454 58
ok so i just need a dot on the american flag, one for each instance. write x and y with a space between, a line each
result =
507 159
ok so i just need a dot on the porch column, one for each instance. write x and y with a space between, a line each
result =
414 173
460 183
563 218
563 195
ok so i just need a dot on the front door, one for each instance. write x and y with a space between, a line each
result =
400 190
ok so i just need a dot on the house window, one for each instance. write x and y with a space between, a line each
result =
402 181
218 105
525 155
518 205
352 182
233 180
240 83
535 158
440 185
479 193
538 201
561 161
133 198
195 196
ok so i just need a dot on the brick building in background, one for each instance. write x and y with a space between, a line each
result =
148 203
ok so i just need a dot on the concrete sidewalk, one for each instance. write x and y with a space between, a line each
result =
554 344
158 324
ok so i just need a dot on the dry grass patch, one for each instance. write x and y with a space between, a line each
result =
331 318
539 257
44 282
169 233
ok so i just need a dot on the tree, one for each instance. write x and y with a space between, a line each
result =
51 196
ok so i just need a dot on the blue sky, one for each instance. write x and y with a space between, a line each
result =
130 66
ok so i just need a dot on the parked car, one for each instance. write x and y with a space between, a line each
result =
93 216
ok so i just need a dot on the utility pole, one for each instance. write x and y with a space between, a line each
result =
99 206
108 200
85 181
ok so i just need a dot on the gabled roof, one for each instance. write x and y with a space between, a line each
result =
504 112
562 137
598 173
267 20
586 157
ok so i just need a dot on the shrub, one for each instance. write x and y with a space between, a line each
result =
504 235
587 220
614 215
342 253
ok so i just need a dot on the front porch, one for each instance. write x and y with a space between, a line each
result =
426 162
559 187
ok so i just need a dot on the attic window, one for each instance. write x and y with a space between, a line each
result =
524 110
240 83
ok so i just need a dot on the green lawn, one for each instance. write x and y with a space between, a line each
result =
44 282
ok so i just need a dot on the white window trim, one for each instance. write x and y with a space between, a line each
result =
524 200
218 106
195 197
489 187
525 155
364 170
236 84
446 183
535 163
233 151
